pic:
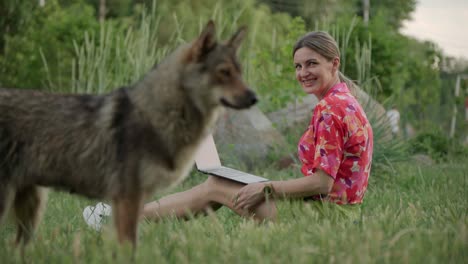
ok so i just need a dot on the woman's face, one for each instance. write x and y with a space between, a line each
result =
314 72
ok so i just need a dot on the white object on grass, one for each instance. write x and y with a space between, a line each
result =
95 216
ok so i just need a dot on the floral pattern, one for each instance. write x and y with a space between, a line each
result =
339 141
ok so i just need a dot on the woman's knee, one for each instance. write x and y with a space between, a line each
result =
219 186
214 182
209 190
210 186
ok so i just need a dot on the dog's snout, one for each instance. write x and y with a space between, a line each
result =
240 101
254 100
251 97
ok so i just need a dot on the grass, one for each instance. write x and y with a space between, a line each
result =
414 215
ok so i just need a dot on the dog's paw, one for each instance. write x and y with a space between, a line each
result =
95 216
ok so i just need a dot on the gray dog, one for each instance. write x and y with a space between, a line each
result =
120 146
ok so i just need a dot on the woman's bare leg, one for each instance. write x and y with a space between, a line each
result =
210 195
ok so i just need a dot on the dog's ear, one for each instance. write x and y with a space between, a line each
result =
204 44
237 38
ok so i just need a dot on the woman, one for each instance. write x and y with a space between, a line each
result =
335 150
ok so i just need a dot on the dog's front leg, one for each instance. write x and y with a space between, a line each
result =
126 214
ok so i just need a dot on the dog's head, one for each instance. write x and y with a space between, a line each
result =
213 75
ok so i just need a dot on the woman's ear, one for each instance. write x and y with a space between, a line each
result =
336 64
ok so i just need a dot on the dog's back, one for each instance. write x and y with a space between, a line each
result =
51 140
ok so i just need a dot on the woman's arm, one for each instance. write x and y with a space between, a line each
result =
319 183
252 194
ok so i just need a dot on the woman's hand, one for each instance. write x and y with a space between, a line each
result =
249 196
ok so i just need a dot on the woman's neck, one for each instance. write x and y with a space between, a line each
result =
335 82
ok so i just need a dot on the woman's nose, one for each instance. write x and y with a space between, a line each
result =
303 72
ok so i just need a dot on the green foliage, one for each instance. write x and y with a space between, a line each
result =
394 12
313 10
433 143
49 34
392 67
121 53
423 84
117 56
13 15
437 145
114 8
387 152
275 81
384 46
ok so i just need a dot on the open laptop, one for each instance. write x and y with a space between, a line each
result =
207 161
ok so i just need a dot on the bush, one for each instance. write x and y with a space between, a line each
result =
433 143
49 34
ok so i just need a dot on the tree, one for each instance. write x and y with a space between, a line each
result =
394 11
48 33
13 15
313 11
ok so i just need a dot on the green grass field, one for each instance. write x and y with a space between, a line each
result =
413 214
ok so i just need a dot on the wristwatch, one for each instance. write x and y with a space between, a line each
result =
268 190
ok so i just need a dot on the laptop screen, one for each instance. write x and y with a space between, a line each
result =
207 155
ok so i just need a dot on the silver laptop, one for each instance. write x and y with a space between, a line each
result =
207 161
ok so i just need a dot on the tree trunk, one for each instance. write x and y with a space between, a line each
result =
102 10
365 11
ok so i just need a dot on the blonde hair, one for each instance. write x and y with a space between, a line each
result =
325 45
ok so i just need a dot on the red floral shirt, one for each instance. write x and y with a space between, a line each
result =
339 141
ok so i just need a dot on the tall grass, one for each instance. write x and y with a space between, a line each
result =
415 215
118 57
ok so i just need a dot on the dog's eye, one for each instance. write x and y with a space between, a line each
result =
225 72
